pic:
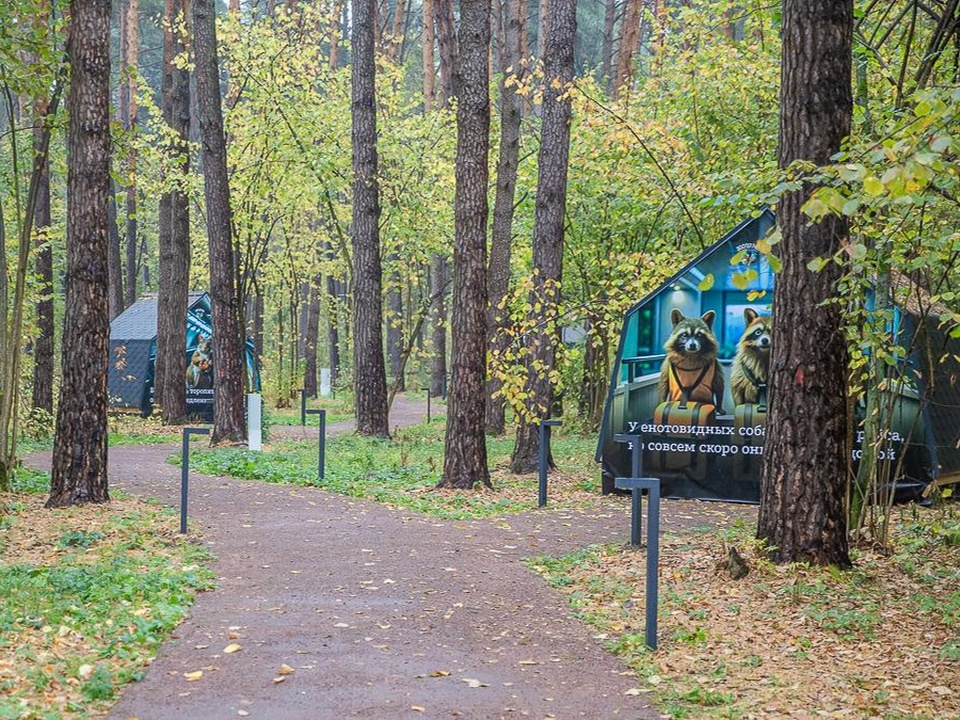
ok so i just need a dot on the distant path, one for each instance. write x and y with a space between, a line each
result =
380 613
404 412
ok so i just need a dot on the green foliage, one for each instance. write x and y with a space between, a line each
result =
30 481
100 685
88 613
402 472
79 539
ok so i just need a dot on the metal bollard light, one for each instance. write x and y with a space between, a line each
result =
185 471
652 486
545 426
428 403
321 450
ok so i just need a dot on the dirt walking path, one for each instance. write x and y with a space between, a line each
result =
345 608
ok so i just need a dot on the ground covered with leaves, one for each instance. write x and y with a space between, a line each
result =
89 593
879 641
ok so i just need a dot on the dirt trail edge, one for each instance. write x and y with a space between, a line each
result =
380 613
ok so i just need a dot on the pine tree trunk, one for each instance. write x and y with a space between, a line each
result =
229 366
805 456
524 15
606 52
447 41
311 337
116 264
548 231
438 322
543 29
629 34
465 448
43 345
525 54
127 106
79 471
498 269
429 72
396 33
174 238
370 380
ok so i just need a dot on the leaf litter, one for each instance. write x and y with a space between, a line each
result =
879 641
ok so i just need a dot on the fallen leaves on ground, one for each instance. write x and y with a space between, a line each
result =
87 599
879 641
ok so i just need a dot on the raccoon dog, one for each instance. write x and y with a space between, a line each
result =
691 371
200 369
752 361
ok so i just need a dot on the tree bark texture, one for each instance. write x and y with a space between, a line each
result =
229 367
438 322
311 337
465 448
117 302
43 345
79 471
429 72
397 32
333 332
501 244
606 52
174 238
548 230
370 379
629 34
395 339
543 27
524 14
805 457
127 106
446 33
496 37
164 230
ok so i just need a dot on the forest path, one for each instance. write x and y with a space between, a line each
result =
380 613
404 412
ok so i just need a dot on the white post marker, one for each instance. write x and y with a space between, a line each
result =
324 382
254 429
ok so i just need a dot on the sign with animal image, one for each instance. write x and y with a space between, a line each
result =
690 379
199 375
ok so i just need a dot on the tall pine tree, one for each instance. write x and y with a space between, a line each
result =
79 472
802 515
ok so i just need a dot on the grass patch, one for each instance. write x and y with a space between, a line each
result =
403 472
89 594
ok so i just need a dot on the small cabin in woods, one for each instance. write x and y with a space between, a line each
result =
133 353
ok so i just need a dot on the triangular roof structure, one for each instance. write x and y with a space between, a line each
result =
710 445
749 231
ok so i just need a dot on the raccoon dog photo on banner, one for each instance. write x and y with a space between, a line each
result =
691 371
748 374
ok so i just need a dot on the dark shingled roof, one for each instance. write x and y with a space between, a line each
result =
139 321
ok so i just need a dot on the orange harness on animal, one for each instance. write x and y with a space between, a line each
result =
687 385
